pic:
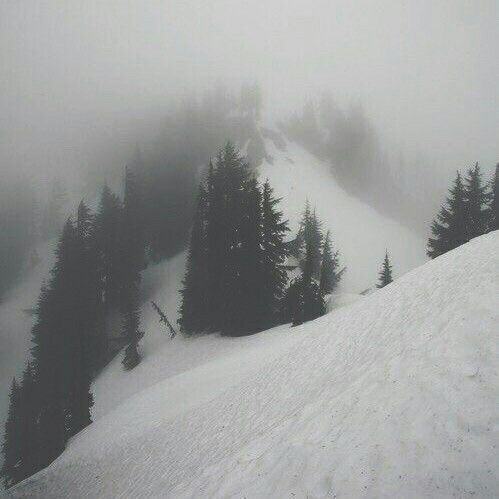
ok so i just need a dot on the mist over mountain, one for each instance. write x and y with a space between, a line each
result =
193 171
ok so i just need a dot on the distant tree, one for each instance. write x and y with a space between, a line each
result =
449 227
304 300
385 274
475 200
53 216
274 253
494 202
309 240
330 274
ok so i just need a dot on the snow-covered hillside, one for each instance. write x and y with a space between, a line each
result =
360 233
394 395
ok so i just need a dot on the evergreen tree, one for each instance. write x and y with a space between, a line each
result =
475 200
193 313
449 227
227 190
494 202
53 217
131 324
20 446
248 304
105 243
330 274
12 439
274 252
132 246
29 422
86 338
385 274
61 337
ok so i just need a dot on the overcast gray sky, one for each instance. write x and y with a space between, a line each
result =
80 75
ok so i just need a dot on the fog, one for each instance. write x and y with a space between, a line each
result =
81 81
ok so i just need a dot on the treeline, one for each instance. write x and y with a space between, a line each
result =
470 210
88 310
237 280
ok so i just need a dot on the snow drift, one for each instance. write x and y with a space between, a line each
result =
394 395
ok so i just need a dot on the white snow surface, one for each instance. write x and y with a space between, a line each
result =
359 232
392 395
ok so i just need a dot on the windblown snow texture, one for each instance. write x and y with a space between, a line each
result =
394 395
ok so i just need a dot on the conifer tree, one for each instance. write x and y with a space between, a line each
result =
330 274
385 274
248 305
475 200
193 313
132 246
449 227
131 332
106 234
274 252
494 202
12 439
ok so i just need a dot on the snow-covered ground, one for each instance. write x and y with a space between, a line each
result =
392 395
360 233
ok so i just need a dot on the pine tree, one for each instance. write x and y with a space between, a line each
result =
54 336
330 274
494 202
449 227
248 306
475 200
20 446
226 193
193 313
131 324
274 252
12 439
86 338
385 274
53 217
62 336
106 241
132 262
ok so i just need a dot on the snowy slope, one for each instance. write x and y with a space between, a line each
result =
394 395
360 233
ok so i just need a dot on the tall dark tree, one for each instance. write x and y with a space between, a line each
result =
132 262
475 200
449 227
193 313
226 191
54 336
248 306
385 274
106 241
62 336
131 332
87 338
274 253
494 202
330 274
12 439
